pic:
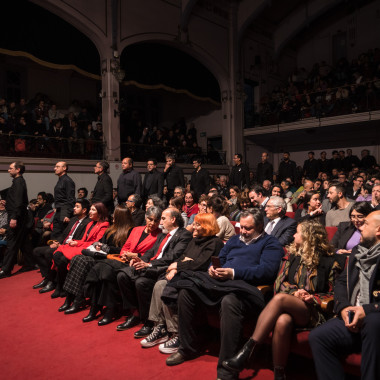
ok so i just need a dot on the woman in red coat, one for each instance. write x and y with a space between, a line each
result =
94 232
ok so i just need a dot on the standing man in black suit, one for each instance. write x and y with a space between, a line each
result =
153 180
276 223
287 168
129 181
16 206
137 281
239 175
173 175
103 190
310 167
200 178
64 199
74 230
264 169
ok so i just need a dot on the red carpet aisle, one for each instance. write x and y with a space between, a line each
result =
37 342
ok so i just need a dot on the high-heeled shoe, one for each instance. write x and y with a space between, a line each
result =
92 315
241 358
108 317
78 305
68 301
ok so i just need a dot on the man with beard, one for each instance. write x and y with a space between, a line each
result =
340 211
103 189
357 305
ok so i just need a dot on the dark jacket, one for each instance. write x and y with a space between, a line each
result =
138 217
264 171
103 191
78 234
200 182
350 192
153 183
17 199
343 235
310 168
239 176
284 229
64 196
129 183
174 177
346 282
287 169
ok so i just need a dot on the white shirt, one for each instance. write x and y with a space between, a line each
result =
171 234
273 224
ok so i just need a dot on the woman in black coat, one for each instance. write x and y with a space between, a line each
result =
348 234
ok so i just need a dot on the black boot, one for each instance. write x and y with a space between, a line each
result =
241 358
92 314
57 292
78 304
68 301
108 317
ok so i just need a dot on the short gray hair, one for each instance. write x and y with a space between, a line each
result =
279 202
157 201
257 216
154 212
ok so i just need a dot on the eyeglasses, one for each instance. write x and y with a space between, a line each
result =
128 200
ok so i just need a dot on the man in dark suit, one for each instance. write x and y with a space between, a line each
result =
239 175
264 169
17 232
74 230
103 190
137 281
353 191
200 178
173 175
287 168
357 301
310 167
277 224
153 180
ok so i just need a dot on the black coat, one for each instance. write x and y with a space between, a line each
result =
174 177
103 191
17 199
343 235
284 230
78 234
264 171
153 183
200 182
239 176
287 169
310 168
343 289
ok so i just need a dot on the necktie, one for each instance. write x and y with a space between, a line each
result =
73 228
164 240
270 227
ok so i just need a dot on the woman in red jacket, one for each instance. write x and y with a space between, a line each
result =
94 232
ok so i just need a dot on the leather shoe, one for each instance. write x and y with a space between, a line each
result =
67 303
48 287
175 359
43 283
108 317
238 362
144 331
4 274
131 321
77 305
92 314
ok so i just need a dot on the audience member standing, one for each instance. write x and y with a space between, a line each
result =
64 199
310 167
173 175
239 175
103 190
367 161
129 181
200 178
153 180
287 168
16 205
264 170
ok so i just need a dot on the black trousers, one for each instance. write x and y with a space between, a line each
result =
61 262
43 257
332 341
58 225
233 311
17 239
136 290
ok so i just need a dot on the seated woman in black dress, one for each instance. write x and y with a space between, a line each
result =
303 281
101 282
112 241
312 208
348 234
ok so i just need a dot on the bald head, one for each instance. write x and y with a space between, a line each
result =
370 230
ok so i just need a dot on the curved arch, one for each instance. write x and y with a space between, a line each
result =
194 51
187 7
76 19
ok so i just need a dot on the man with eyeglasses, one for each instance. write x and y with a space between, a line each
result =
352 192
153 180
276 223
134 203
103 190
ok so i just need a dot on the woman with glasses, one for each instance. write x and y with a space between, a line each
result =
348 234
202 209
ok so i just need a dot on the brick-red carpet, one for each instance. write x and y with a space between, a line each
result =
38 342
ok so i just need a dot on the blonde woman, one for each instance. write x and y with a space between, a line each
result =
304 280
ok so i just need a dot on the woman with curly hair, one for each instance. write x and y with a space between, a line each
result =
304 280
